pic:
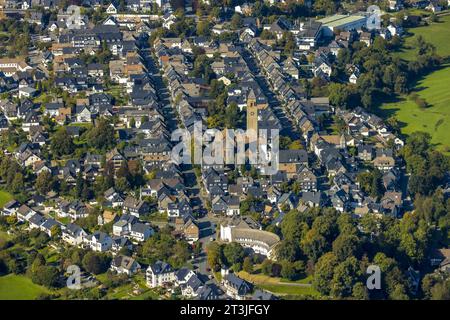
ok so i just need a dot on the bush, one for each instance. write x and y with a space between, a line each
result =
421 103
288 270
248 265
236 267
45 276
47 296
266 267
276 270
3 267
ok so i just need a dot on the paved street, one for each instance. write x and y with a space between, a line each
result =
274 103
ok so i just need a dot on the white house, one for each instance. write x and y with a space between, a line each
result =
159 274
354 76
141 232
73 234
111 9
27 92
83 114
10 208
168 20
99 241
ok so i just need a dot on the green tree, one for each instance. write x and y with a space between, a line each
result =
44 182
360 291
101 136
214 256
62 143
287 270
46 276
314 244
236 21
248 265
203 28
233 253
266 267
324 272
345 277
345 246
18 183
96 263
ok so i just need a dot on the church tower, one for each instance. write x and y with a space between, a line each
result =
342 142
252 111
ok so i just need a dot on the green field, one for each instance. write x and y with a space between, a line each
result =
279 286
434 119
434 88
436 33
284 289
5 197
14 287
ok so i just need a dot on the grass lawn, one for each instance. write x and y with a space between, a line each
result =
86 125
4 236
43 98
434 119
125 291
5 197
435 33
281 286
50 254
15 287
64 220
119 95
284 289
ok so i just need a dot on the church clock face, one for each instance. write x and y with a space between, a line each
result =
252 113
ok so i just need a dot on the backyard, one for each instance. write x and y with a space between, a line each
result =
5 197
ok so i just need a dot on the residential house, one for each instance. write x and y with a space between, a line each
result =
49 225
290 160
384 159
99 241
236 287
135 207
191 231
125 265
123 226
73 234
118 243
141 232
159 274
10 208
441 258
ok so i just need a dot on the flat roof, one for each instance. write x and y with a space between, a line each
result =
339 19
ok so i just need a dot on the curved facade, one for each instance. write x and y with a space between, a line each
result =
260 241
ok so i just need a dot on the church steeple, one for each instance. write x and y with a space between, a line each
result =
343 141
